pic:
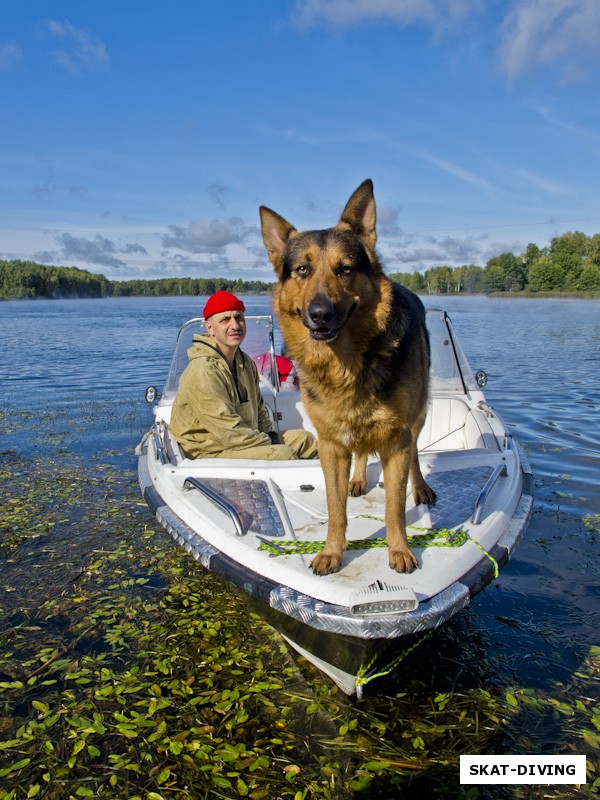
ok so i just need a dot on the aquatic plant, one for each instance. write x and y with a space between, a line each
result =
127 671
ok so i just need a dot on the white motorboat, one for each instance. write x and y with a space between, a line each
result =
259 523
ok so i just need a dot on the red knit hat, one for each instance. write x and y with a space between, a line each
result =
222 301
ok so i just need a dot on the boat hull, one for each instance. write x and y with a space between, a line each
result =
350 649
258 524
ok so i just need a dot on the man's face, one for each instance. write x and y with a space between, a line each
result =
228 329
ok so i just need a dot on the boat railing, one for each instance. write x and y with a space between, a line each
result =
500 472
219 501
160 450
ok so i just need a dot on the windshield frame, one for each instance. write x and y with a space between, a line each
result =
450 370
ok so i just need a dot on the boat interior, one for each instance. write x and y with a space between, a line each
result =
458 417
465 454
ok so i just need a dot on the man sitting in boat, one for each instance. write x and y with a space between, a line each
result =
218 411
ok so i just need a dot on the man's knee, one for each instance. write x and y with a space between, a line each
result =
281 452
268 452
302 442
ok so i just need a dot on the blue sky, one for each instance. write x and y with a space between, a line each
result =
138 138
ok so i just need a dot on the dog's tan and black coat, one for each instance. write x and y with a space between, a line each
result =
362 351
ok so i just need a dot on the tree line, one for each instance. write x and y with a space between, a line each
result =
161 287
26 279
571 263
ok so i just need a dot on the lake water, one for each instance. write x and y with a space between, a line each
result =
72 381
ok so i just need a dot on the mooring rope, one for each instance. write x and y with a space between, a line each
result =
363 677
293 547
430 537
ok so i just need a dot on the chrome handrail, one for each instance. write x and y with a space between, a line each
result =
159 448
219 501
483 495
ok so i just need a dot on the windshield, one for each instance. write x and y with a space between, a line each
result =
258 342
450 371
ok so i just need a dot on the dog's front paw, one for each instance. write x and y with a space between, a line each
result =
403 560
356 488
423 494
326 563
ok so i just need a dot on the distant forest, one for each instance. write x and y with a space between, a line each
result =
570 264
26 279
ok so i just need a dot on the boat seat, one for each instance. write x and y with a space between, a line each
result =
444 427
453 425
291 412
450 425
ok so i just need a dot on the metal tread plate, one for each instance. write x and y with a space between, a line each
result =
456 491
253 501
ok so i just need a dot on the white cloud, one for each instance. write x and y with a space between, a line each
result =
544 32
10 55
388 221
453 169
49 187
546 185
216 265
588 137
494 249
459 251
440 14
207 236
533 33
82 52
45 256
99 250
430 251
219 193
134 248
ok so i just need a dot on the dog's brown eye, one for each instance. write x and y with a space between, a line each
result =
303 270
344 270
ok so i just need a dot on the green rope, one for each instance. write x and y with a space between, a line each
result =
430 537
433 537
363 677
487 555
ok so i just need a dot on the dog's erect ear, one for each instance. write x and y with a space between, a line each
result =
275 231
360 213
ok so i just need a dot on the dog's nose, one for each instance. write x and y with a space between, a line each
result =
321 310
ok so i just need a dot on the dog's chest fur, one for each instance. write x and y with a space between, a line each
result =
358 391
349 401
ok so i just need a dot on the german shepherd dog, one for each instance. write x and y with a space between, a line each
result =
362 351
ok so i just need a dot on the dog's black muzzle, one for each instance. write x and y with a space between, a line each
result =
324 319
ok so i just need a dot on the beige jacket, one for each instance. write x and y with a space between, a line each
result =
212 411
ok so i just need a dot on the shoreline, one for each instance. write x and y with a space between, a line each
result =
574 295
